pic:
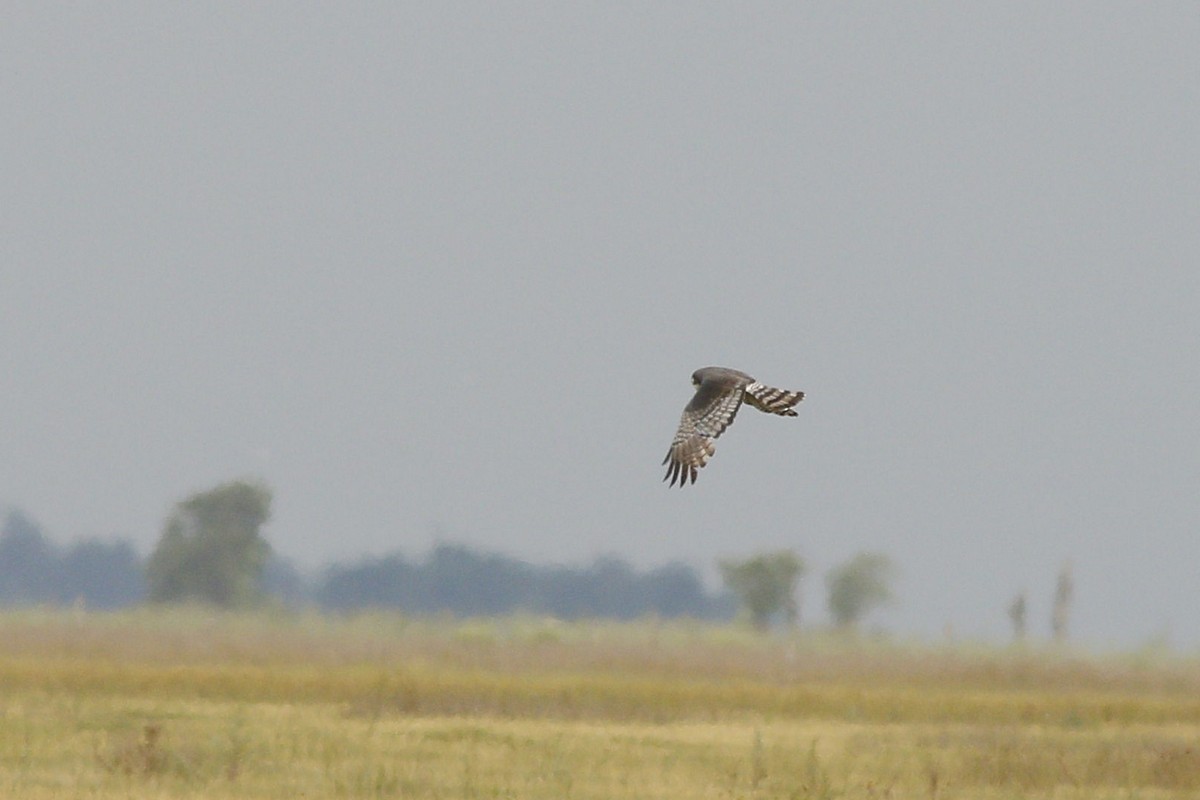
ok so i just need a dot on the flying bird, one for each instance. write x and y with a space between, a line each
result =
719 394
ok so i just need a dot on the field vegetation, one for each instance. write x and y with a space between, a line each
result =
191 703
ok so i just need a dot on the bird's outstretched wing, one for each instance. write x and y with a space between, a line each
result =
706 417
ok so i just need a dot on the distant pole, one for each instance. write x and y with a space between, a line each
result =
1016 613
1063 593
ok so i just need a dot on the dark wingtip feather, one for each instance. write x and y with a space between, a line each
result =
680 473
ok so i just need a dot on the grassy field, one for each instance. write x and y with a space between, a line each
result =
191 704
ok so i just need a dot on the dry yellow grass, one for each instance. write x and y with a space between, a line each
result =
190 704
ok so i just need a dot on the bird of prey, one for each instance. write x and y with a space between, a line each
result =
719 394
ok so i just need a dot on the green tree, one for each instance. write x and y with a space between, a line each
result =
858 586
211 550
765 585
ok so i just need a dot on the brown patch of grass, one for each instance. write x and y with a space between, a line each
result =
141 755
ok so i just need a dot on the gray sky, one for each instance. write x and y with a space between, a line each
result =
445 270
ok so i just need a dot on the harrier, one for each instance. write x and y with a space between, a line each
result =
719 395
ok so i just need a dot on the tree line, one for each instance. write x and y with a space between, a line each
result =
33 571
212 551
466 582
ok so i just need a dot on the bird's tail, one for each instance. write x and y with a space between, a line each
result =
772 400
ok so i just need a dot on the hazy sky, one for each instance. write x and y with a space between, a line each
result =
440 270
